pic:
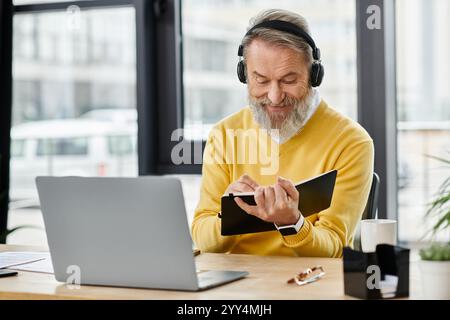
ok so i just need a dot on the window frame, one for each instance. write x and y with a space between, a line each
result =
148 25
6 13
153 22
377 97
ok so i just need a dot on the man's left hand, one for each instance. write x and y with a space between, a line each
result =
275 204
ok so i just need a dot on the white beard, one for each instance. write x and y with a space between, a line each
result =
281 130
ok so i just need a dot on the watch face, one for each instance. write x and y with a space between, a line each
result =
288 231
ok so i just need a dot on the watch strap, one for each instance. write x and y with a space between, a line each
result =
293 228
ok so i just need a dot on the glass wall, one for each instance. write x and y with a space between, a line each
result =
74 103
423 78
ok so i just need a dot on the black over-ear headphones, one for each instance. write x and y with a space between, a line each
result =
317 69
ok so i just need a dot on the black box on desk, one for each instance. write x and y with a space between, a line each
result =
363 270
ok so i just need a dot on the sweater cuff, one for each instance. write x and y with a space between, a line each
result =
297 239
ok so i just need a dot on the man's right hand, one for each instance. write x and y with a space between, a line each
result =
243 184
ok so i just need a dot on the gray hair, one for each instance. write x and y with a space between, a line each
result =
279 38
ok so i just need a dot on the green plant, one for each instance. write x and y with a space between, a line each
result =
440 210
436 252
3 235
7 232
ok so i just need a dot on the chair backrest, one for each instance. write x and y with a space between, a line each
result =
370 211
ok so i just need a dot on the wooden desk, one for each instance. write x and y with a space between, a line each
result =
267 280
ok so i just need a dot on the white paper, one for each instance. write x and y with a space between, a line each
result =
44 266
10 258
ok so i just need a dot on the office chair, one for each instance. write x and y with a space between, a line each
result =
370 211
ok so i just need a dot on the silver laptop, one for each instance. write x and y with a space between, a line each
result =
128 232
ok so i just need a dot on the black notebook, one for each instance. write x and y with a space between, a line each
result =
314 196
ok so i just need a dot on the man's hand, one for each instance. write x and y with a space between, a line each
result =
243 184
276 204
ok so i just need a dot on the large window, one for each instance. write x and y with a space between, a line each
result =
212 31
74 103
423 77
79 75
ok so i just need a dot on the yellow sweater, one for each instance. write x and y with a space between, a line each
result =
328 141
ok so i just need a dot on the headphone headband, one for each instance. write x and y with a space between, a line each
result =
285 27
317 71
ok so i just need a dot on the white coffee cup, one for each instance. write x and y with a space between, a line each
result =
377 231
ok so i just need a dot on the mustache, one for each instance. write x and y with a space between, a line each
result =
265 102
286 125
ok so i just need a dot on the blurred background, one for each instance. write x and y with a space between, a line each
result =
75 92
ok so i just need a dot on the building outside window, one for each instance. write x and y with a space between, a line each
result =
74 103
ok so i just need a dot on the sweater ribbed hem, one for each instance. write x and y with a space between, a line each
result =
297 239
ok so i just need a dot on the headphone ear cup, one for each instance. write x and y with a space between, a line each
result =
241 72
321 74
317 74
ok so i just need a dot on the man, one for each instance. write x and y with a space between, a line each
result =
281 67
